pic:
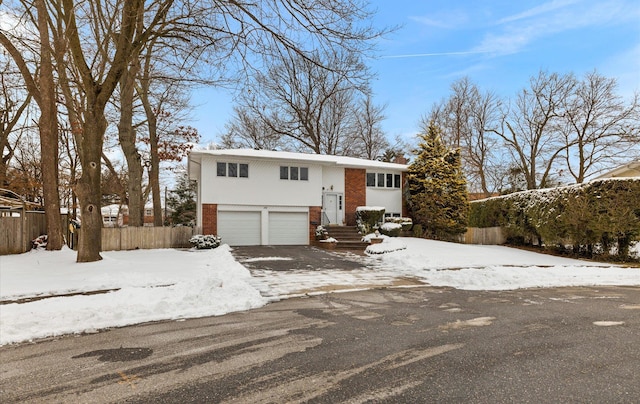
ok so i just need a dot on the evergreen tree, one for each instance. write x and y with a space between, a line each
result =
437 192
182 202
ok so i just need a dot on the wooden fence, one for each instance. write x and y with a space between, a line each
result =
16 232
133 238
484 235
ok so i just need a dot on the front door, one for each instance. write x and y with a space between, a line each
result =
332 207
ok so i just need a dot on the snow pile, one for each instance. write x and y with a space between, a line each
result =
388 244
481 267
146 285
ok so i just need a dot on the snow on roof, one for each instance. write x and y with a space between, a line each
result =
324 159
628 170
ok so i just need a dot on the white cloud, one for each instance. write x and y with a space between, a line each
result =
447 20
522 29
541 9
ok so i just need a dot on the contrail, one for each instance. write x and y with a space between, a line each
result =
420 55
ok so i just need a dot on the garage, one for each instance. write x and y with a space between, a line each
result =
288 228
239 227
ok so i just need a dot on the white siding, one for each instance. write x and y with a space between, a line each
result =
263 187
333 179
390 198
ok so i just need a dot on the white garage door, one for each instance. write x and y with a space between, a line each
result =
239 228
288 228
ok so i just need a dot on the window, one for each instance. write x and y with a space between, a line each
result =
384 180
244 170
294 173
371 179
222 169
232 170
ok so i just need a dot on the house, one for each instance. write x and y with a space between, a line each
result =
116 215
259 197
631 169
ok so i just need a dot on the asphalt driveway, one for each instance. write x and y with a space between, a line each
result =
287 258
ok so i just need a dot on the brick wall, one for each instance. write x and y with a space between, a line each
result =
315 219
355 192
209 218
405 207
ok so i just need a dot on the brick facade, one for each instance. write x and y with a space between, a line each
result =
355 188
405 192
315 219
209 218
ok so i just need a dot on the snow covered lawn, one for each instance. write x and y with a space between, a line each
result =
151 285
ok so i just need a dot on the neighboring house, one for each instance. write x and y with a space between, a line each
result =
259 197
631 169
113 215
118 215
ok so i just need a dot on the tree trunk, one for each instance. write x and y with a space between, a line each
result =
127 136
89 188
48 123
154 171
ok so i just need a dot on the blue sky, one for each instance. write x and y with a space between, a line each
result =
497 44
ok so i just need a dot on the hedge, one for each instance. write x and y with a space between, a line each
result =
590 217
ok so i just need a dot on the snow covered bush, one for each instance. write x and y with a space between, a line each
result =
405 222
207 241
368 218
390 229
388 245
321 233
591 219
39 242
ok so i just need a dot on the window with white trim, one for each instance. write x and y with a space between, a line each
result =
294 173
384 180
235 170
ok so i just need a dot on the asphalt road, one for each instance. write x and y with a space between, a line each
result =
415 345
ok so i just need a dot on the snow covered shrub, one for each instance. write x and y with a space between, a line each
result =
405 222
368 218
321 233
391 229
590 219
207 241
39 242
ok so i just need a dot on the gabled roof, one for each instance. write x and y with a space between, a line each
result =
322 159
631 169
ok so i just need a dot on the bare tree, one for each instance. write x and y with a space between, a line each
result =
370 140
14 101
599 126
529 128
246 131
465 119
315 108
41 85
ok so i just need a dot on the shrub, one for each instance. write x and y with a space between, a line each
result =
405 222
207 241
590 219
391 229
321 233
39 242
368 218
